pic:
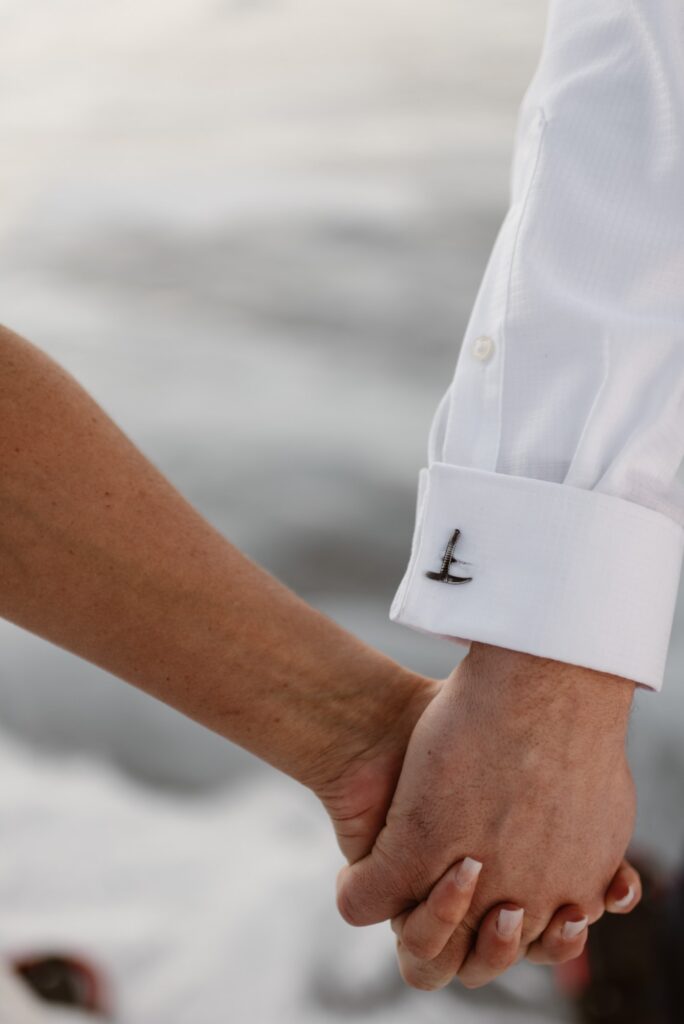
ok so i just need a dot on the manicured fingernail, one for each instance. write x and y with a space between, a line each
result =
571 929
625 900
508 921
467 873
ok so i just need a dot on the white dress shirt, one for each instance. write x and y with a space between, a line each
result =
555 450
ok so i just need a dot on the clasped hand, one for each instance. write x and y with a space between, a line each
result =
502 831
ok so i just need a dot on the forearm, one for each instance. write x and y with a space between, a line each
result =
102 556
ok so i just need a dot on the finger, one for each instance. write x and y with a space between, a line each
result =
624 892
438 972
563 939
497 946
425 930
372 890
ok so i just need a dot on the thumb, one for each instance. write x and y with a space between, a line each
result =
356 835
369 891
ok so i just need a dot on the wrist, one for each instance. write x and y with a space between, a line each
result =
372 711
541 694
356 776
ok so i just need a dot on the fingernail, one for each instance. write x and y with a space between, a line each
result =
571 929
467 872
626 899
508 921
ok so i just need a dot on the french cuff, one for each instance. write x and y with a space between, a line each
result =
553 570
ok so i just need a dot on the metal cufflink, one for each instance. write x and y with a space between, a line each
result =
444 576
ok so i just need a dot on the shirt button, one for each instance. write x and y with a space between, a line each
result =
483 348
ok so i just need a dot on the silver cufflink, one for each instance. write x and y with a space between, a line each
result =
444 576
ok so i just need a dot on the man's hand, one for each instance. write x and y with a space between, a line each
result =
519 763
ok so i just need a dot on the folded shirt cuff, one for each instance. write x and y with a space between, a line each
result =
553 570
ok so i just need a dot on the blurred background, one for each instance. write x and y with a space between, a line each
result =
253 230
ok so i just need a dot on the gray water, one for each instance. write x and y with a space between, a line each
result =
254 232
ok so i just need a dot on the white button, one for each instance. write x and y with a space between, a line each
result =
483 348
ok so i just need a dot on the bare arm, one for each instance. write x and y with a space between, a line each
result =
102 556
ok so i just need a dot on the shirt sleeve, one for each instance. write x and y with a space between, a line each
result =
550 519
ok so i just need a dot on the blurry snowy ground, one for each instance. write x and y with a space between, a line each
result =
209 909
254 231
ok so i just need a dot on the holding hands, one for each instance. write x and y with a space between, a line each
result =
505 834
487 816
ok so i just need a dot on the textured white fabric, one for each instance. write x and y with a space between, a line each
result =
572 367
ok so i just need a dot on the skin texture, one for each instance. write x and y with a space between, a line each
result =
519 763
100 555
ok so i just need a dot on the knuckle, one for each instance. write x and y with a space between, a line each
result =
402 871
408 871
445 906
471 982
539 957
500 959
420 946
553 947
443 920
575 954
564 956
415 977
